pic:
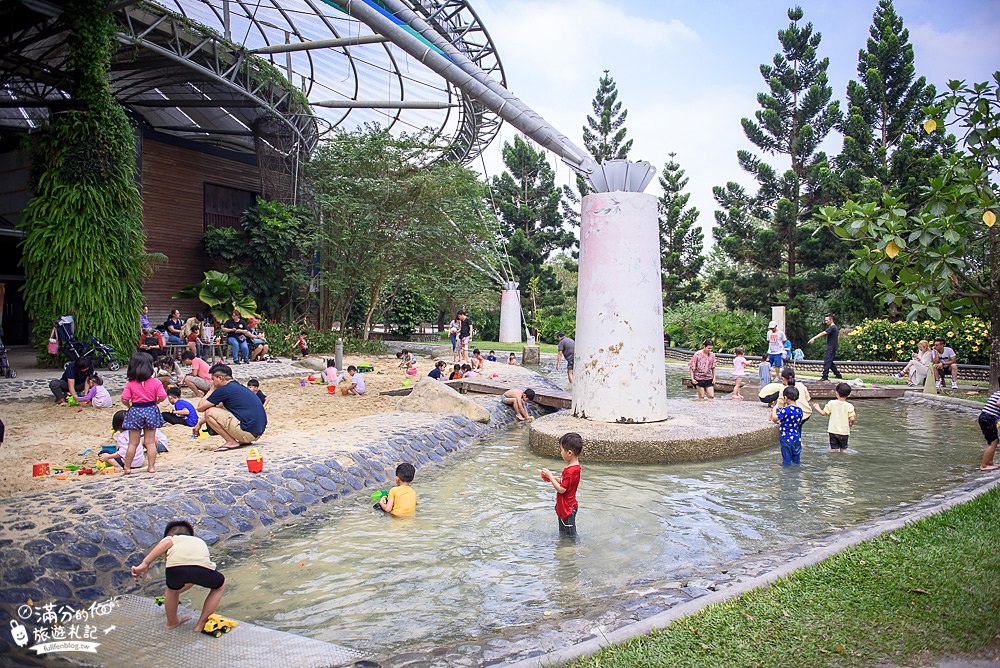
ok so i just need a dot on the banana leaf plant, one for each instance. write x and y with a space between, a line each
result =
222 294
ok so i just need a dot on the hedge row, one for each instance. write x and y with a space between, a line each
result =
885 340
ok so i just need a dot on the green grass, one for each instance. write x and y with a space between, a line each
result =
929 589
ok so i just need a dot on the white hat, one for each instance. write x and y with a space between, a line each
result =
772 324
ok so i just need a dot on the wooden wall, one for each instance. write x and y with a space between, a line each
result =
174 177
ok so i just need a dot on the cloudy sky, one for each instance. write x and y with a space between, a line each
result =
688 70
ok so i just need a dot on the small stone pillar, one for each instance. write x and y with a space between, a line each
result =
620 370
510 314
530 355
778 315
930 382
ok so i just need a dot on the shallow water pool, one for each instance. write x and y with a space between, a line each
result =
483 551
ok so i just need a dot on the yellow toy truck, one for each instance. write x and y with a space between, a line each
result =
217 625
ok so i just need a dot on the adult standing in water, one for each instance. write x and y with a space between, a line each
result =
832 334
566 349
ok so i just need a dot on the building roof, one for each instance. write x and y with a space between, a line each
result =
216 71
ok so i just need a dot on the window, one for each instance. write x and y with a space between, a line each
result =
225 205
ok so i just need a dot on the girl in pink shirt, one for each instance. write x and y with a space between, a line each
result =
739 370
142 392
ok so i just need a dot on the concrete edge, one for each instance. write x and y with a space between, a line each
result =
815 556
943 399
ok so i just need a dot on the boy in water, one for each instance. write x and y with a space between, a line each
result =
789 420
570 447
188 564
842 417
402 500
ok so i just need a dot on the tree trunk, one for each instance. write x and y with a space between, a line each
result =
376 289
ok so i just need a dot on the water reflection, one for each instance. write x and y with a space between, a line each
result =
483 551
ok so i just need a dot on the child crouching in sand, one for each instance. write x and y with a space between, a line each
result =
188 564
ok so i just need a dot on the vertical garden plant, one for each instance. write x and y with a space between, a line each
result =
84 244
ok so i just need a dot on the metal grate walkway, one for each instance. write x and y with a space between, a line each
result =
139 638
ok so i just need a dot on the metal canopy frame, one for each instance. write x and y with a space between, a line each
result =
211 70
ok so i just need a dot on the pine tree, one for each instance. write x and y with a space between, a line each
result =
603 137
681 240
530 224
768 235
885 150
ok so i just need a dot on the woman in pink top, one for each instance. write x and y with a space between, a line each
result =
702 367
142 392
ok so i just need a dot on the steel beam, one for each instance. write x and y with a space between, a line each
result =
322 44
383 104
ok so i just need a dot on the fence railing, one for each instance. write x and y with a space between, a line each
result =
867 368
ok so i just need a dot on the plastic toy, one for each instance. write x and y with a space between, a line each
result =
72 401
302 383
407 382
158 600
85 471
365 368
411 371
377 496
255 461
86 452
344 391
311 378
40 470
217 625
332 389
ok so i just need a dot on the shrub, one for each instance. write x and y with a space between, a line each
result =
690 324
894 341
548 325
282 337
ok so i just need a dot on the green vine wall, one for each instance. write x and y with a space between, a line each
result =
84 245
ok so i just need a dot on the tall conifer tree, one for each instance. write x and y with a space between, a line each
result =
768 235
528 203
885 150
681 240
604 137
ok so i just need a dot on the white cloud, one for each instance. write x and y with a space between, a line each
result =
560 42
966 53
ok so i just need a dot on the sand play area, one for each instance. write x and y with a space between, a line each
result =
43 432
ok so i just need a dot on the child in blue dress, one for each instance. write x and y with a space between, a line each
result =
789 421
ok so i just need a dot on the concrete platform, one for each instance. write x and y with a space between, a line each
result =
694 431
138 637
817 390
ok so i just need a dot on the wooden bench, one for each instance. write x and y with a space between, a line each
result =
210 352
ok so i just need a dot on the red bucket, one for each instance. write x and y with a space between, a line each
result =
332 389
40 470
255 461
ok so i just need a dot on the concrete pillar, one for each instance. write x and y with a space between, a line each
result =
778 315
619 311
510 314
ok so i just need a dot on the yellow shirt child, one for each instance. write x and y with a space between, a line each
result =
402 500
842 417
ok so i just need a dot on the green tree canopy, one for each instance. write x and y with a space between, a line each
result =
389 222
530 224
768 235
884 149
940 260
681 240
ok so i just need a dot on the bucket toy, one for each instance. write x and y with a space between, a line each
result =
255 461
412 371
332 389
40 470
311 379
345 391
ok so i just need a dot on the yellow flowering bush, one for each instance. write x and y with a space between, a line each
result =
894 341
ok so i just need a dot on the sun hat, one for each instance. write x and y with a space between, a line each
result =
772 324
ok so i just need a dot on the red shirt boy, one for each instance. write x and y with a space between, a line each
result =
570 447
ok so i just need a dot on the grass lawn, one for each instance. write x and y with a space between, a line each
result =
929 589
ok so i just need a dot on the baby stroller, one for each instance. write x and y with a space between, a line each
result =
101 353
5 369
